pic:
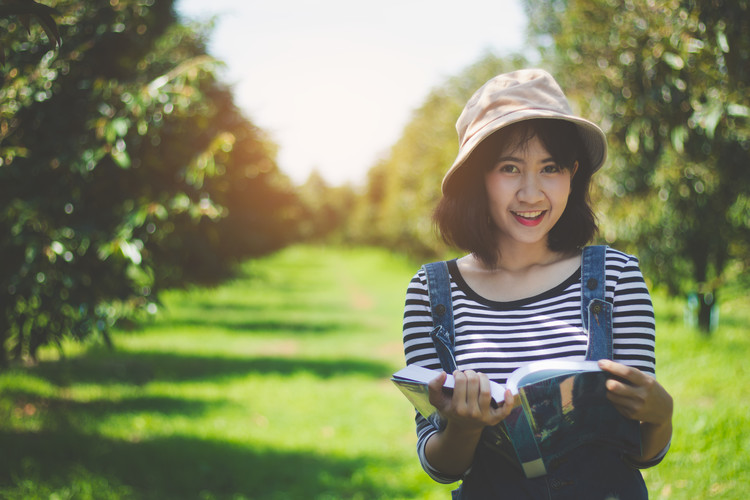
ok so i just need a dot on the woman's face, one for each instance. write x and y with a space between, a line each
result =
527 192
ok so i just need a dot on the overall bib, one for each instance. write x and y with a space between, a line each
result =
587 472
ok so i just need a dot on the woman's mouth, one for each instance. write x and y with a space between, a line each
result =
530 218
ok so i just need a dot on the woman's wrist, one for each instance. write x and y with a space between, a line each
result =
451 450
462 433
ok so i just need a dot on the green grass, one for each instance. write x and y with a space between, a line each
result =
275 386
709 378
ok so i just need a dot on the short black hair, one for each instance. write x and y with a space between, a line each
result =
462 215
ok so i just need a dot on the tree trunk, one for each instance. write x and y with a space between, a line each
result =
4 327
706 303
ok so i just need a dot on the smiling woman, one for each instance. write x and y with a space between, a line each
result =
516 199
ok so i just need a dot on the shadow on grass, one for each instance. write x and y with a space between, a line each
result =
139 368
252 318
182 468
245 307
264 325
65 413
64 456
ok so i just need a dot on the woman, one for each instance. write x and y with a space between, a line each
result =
516 199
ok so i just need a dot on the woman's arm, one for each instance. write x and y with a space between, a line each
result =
637 395
467 412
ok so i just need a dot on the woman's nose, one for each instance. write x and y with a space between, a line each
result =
530 190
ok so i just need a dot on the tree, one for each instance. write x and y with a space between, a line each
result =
325 209
668 81
123 169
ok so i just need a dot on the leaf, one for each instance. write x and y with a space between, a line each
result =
721 39
120 126
712 118
50 28
673 60
130 251
679 134
121 157
632 139
738 110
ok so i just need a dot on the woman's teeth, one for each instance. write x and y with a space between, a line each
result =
529 215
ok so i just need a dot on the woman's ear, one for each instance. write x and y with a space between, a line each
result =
574 169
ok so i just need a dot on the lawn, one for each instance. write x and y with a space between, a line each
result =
275 386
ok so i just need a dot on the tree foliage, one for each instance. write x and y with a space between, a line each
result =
26 10
324 210
668 80
124 167
402 189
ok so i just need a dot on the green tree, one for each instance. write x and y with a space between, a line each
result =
124 166
325 209
668 81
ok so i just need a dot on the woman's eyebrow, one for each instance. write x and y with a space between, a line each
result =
519 160
508 158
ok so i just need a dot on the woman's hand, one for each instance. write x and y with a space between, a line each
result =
640 397
636 395
469 408
467 411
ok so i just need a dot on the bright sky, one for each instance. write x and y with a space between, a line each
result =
334 82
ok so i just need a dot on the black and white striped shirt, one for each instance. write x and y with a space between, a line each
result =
498 337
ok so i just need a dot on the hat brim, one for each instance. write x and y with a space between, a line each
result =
592 136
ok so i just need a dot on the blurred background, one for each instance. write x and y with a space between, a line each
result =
211 208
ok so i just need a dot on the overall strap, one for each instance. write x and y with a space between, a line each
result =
441 307
596 313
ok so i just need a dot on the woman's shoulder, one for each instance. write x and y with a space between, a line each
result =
623 270
619 258
419 279
421 274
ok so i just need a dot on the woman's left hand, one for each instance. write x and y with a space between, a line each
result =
640 397
637 395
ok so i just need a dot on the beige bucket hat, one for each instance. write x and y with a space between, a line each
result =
514 97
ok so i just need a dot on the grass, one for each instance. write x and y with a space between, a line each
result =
275 386
709 378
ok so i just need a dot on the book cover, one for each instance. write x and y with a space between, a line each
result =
560 405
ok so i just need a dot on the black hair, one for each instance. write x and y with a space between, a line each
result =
462 216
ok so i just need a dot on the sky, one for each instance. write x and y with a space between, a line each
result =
334 82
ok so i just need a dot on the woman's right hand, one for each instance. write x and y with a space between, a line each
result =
469 408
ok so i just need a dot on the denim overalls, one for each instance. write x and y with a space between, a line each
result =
589 471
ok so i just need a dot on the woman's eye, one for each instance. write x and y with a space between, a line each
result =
508 168
551 169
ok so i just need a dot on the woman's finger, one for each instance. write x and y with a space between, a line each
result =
459 391
485 392
435 388
503 410
624 372
472 393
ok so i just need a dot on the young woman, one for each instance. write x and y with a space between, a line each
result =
517 200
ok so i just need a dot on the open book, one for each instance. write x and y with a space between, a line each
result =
560 405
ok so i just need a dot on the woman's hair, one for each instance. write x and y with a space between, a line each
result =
463 217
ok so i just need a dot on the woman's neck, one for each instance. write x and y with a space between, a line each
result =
518 275
520 257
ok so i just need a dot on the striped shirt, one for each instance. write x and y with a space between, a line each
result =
498 337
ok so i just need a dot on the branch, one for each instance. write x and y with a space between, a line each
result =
25 10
